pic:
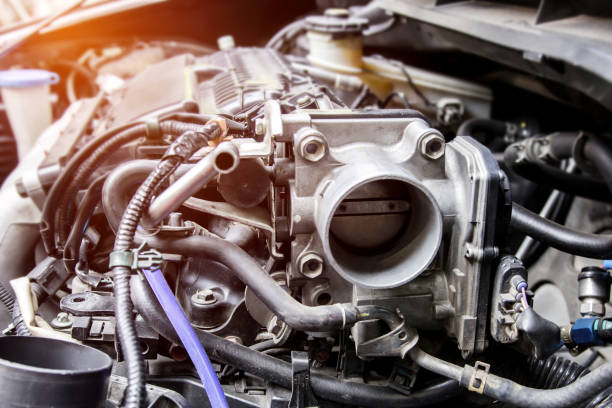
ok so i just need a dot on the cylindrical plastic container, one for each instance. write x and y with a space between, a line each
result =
25 93
40 372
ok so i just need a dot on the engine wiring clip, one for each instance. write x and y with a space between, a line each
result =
137 259
301 390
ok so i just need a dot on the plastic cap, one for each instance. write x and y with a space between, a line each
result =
27 78
226 42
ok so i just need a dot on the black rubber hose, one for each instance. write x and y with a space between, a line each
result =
537 171
289 310
600 155
86 208
509 391
173 124
279 371
47 224
594 150
553 372
559 236
179 151
489 126
562 144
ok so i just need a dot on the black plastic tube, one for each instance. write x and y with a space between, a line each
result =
279 371
559 236
42 372
295 314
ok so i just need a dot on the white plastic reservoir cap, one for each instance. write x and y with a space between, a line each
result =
226 42
27 78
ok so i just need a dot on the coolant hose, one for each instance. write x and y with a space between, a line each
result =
559 236
279 372
295 314
525 159
489 126
188 337
508 391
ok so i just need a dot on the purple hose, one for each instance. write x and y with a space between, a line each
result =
188 337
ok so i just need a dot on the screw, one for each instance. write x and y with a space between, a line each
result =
204 297
432 146
61 321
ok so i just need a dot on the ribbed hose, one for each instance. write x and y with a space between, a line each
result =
180 150
126 330
20 327
553 372
6 297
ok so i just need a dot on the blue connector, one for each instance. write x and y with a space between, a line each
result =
585 332
607 264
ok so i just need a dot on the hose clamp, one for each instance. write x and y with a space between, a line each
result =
153 129
479 377
136 259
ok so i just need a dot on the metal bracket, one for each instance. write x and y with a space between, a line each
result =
301 391
396 343
479 377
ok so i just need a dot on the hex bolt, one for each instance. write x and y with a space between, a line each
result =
312 146
432 146
310 265
204 297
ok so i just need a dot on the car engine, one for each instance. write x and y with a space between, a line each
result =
304 223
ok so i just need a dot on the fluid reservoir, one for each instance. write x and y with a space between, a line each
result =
336 41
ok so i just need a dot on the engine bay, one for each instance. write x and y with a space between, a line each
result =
308 222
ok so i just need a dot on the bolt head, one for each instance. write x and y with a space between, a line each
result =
592 309
432 146
204 297
310 265
61 321
313 148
